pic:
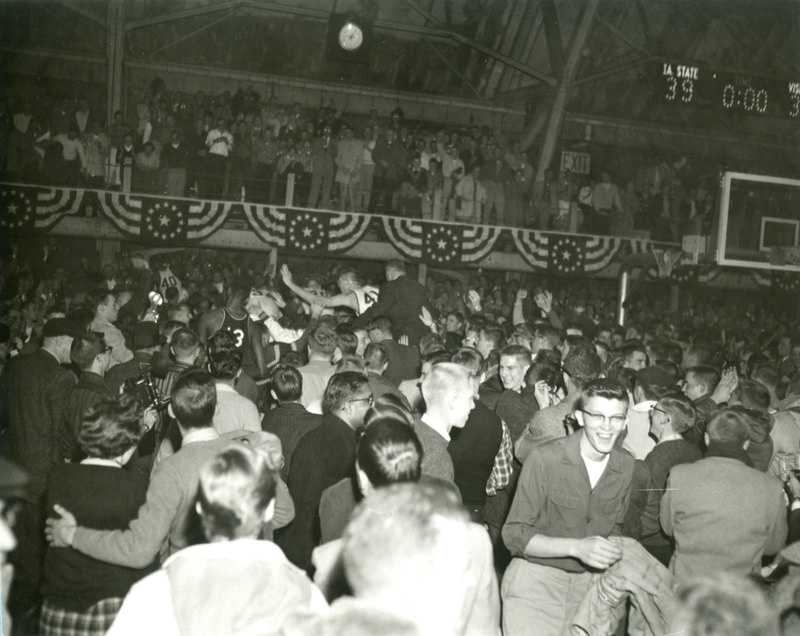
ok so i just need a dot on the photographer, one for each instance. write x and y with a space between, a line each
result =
146 341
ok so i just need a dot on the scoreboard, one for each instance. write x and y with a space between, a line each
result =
693 85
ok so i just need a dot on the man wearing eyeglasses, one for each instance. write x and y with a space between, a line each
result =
572 496
323 457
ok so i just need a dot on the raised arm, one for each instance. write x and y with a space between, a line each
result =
340 300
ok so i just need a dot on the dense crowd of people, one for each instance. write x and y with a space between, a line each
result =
193 443
245 147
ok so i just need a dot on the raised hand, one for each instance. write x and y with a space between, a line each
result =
286 274
425 317
60 531
316 307
522 294
475 299
403 340
544 301
278 298
728 382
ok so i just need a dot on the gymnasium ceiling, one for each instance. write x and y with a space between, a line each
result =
510 52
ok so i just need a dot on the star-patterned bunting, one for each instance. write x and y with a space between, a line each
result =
442 244
164 220
307 231
566 254
19 209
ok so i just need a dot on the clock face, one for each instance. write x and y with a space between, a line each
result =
350 36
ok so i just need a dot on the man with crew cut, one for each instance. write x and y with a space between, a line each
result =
571 497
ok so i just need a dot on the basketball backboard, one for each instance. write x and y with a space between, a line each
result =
759 223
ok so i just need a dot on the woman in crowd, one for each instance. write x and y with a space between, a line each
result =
82 595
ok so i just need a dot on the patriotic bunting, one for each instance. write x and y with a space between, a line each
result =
267 222
55 203
174 221
164 221
440 244
19 209
306 231
312 231
532 247
566 254
600 251
26 208
479 240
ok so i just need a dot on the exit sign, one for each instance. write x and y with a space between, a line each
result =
579 162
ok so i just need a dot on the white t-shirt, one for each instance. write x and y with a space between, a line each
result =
594 468
221 147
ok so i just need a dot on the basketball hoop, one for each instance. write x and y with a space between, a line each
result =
666 260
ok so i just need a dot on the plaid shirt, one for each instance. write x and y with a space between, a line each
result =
501 472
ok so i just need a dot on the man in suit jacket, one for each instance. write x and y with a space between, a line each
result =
290 420
401 299
92 357
403 361
323 151
324 456
722 514
35 388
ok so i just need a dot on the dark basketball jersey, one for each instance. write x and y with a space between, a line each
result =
238 327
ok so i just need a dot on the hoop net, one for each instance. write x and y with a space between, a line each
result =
666 260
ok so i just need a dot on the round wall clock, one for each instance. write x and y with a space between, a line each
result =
350 36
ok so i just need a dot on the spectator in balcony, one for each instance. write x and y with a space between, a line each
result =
73 154
606 202
518 193
219 143
471 155
389 162
433 203
496 174
367 169
97 149
470 196
162 124
265 156
349 159
451 162
61 118
146 173
545 200
412 189
323 153
117 130
126 155
175 161
55 170
22 158
81 117
241 161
